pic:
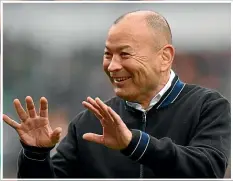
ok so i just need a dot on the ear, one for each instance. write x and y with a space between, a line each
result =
167 55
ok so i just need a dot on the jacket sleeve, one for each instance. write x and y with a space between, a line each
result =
206 156
36 162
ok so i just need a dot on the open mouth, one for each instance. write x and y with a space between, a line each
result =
120 79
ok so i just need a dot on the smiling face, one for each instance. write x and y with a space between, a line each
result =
131 60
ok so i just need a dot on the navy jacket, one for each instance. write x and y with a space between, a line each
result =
185 135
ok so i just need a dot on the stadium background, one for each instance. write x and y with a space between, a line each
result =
55 50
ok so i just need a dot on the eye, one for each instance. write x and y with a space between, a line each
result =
125 54
107 54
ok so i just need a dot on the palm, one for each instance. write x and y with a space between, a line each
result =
36 133
112 138
116 135
34 130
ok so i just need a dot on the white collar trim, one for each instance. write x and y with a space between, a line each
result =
157 97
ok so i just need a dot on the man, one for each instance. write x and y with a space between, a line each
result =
155 127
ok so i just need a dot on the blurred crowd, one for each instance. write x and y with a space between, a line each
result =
66 78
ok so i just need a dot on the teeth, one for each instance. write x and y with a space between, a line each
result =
120 79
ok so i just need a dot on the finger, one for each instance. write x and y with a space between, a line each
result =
93 102
94 138
117 119
30 107
95 112
43 107
10 122
104 108
56 135
95 105
92 109
20 111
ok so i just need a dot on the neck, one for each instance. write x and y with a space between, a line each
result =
161 83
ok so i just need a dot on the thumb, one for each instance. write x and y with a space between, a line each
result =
56 134
94 138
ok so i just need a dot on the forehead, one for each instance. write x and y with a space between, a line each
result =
128 34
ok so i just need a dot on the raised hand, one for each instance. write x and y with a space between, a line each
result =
34 130
115 135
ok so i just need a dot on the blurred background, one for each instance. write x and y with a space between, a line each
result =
55 50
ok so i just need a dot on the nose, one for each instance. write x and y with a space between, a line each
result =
115 65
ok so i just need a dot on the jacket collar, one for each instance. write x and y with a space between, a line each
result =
168 97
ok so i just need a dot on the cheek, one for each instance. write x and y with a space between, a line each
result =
139 77
140 68
142 72
106 65
145 76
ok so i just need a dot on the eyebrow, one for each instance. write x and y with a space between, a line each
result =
120 48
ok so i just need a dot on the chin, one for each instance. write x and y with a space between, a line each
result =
126 95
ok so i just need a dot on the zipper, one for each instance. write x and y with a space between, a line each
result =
143 128
144 121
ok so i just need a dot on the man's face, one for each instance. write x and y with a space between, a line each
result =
131 60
